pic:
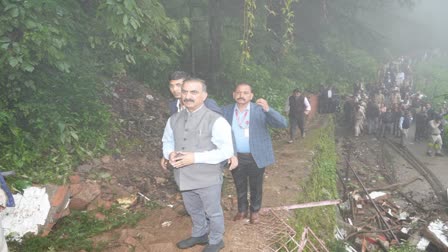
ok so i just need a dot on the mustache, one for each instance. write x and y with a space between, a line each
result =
187 100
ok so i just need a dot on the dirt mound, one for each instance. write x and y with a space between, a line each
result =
140 114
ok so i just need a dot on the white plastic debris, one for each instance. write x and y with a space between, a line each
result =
31 210
439 229
349 248
404 216
404 230
356 197
167 223
150 97
340 233
422 244
375 194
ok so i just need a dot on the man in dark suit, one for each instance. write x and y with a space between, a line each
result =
175 84
299 109
253 144
176 79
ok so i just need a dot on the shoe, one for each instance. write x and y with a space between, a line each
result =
192 241
254 218
214 247
240 216
290 141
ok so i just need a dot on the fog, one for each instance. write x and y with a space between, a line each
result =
422 27
432 15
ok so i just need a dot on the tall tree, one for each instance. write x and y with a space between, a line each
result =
215 33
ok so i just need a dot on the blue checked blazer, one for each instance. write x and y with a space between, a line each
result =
259 137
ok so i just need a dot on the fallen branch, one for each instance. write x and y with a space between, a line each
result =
303 205
374 231
434 239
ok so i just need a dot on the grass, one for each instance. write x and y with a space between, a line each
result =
321 185
74 232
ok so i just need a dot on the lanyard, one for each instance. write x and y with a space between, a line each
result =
241 122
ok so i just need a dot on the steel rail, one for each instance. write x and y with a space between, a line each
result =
372 201
430 177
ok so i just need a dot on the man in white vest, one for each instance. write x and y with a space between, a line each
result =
196 141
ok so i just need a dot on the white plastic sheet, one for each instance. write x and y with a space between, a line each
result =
30 211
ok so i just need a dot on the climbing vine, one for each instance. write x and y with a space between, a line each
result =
249 25
288 15
248 30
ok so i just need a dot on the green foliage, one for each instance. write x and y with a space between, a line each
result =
321 185
75 232
248 30
405 247
277 65
138 32
52 128
51 52
431 77
347 63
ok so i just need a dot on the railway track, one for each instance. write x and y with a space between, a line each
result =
424 171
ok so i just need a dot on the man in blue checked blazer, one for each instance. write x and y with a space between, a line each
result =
253 144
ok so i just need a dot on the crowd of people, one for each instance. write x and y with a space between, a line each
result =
391 107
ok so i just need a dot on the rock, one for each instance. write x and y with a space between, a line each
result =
59 196
126 202
75 189
160 180
99 203
85 168
104 175
75 179
131 241
149 97
100 216
161 247
96 162
88 193
106 159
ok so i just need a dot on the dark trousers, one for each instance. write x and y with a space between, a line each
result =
248 173
294 123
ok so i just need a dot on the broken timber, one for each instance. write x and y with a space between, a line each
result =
303 205
372 201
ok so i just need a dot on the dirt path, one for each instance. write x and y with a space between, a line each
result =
162 228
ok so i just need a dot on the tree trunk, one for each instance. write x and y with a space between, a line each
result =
215 32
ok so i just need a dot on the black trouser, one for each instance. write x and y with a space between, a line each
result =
248 171
295 122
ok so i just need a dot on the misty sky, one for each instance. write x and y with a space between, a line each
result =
421 28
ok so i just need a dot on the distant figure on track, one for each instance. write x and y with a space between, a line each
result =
435 139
